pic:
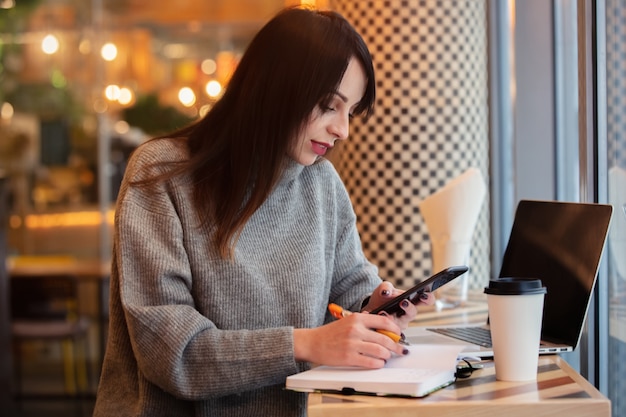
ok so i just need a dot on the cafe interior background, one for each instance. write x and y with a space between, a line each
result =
529 93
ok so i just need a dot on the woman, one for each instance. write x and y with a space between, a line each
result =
234 234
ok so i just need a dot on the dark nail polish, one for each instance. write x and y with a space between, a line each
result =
405 303
405 351
424 296
385 292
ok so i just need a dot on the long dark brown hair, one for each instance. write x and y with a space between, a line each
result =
237 151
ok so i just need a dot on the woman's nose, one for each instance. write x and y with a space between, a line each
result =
341 126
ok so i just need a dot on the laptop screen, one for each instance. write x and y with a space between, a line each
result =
561 243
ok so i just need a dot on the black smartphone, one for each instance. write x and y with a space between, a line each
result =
428 285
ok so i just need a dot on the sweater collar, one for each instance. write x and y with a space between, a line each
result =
291 172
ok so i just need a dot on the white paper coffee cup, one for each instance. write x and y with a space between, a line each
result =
515 315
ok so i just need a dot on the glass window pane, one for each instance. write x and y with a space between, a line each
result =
616 136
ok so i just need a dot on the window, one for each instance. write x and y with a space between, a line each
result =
612 30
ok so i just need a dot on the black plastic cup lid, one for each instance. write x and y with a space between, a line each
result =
515 286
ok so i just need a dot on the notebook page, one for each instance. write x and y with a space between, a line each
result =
428 356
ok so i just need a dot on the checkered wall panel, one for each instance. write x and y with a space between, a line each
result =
430 125
616 82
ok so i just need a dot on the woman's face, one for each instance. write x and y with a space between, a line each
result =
327 124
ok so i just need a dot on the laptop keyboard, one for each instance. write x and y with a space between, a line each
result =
476 335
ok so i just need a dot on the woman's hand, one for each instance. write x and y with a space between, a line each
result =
353 341
350 341
385 292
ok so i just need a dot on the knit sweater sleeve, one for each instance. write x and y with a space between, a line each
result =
175 346
354 276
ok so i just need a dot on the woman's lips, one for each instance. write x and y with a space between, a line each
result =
320 148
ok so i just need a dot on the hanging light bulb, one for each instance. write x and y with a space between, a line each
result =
6 111
186 96
7 4
213 88
126 96
50 44
208 66
108 51
112 92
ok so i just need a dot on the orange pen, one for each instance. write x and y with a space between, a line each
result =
338 312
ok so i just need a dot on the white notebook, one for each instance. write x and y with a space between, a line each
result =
425 369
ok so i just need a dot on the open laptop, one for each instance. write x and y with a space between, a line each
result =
559 242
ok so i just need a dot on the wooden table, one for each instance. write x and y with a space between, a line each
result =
558 391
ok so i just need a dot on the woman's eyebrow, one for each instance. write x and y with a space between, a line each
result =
341 96
345 99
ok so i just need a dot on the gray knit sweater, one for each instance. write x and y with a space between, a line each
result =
191 334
